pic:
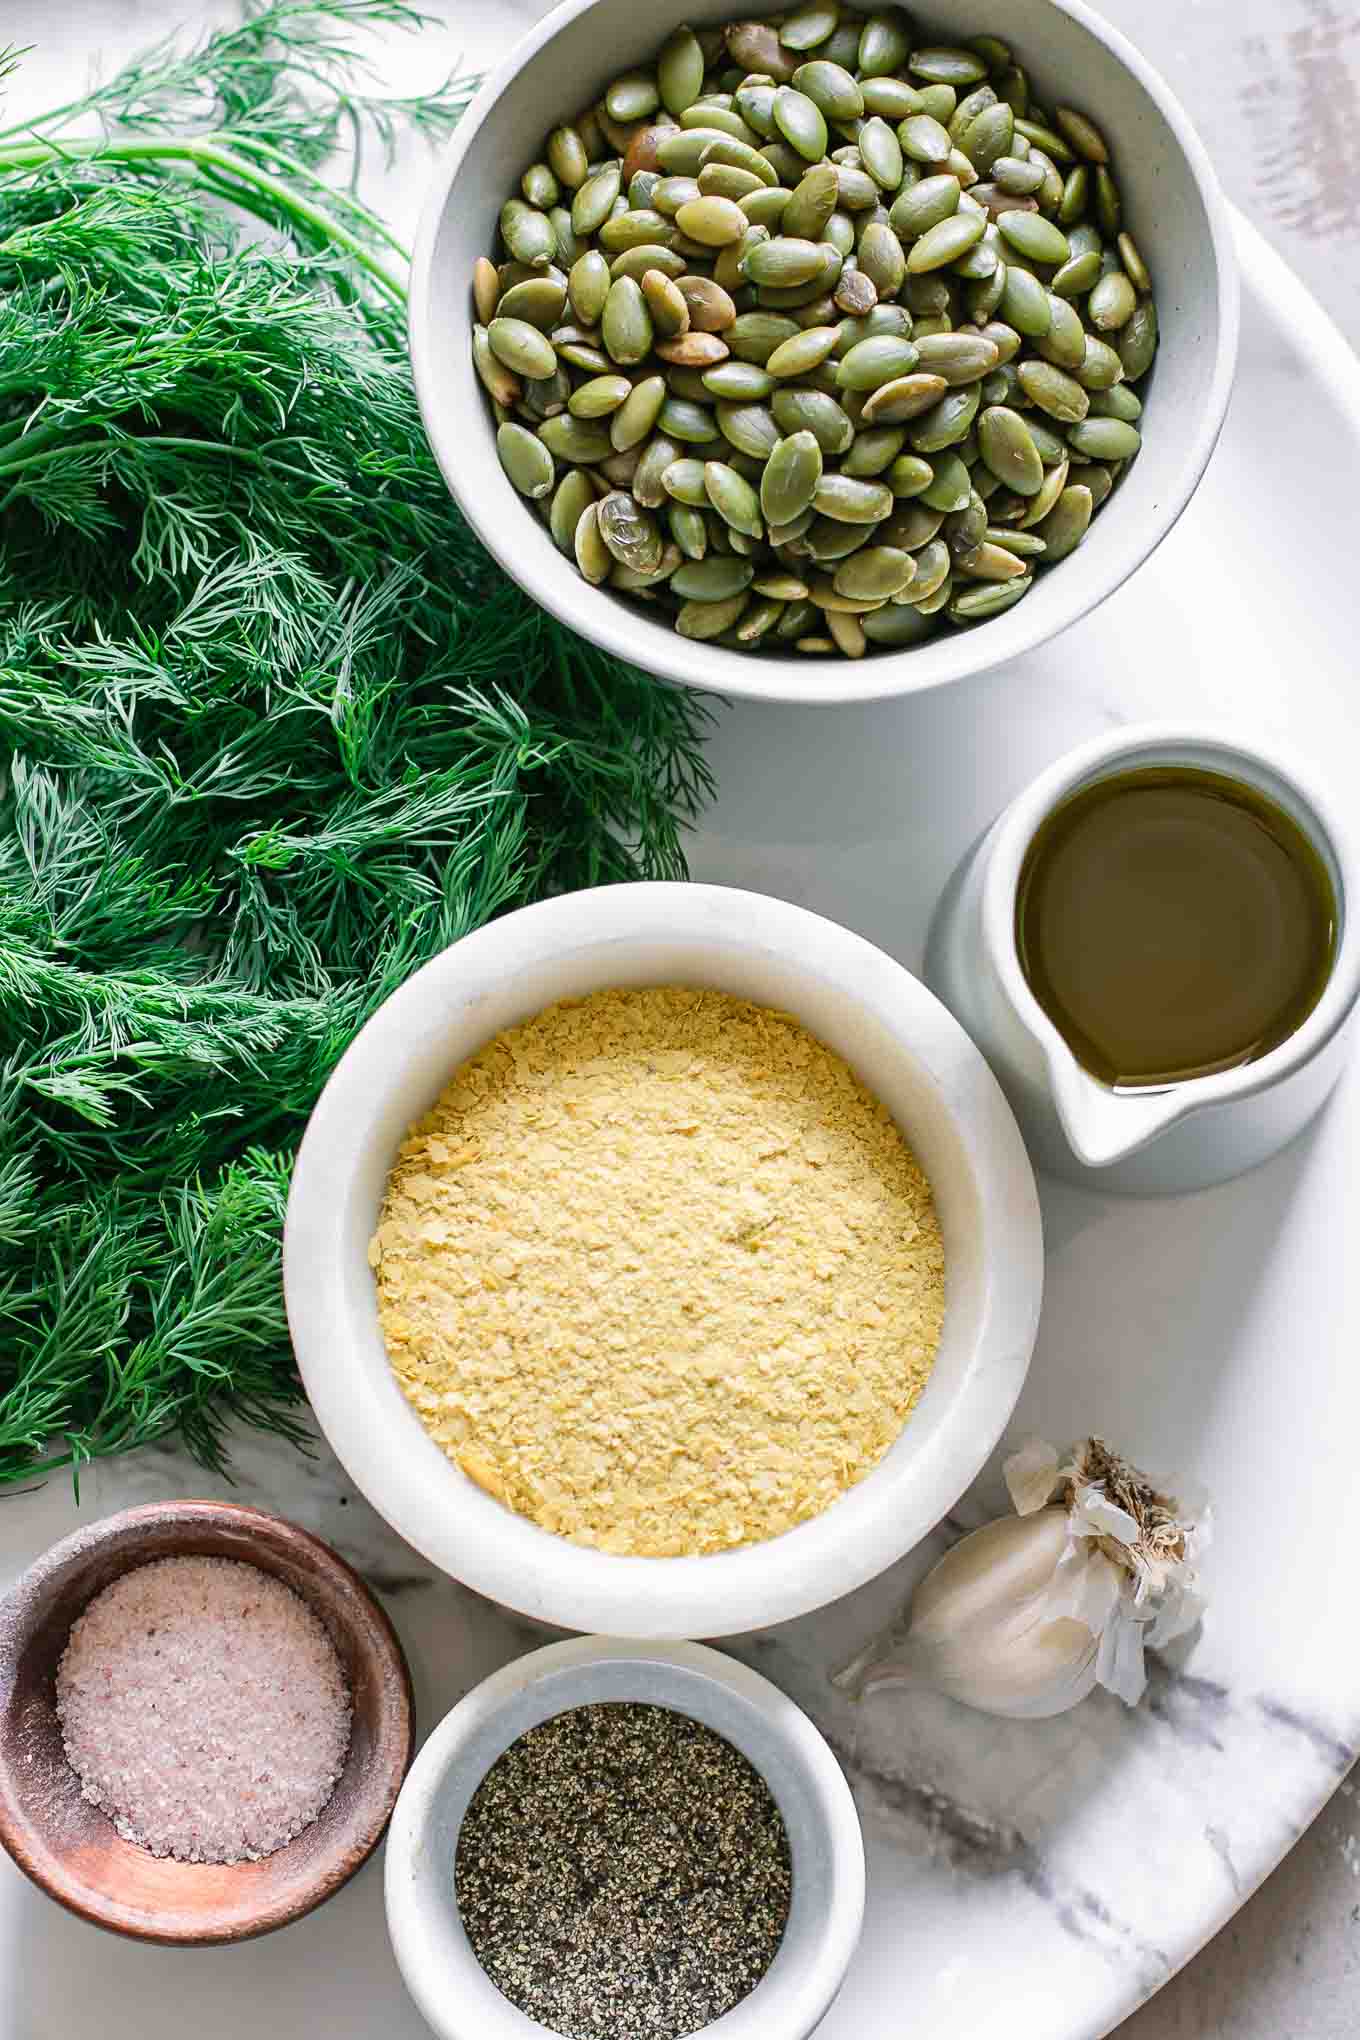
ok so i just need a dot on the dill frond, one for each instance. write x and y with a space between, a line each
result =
273 729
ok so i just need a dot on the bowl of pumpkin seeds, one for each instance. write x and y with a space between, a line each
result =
825 353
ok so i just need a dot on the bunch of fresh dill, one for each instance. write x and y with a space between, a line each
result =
273 730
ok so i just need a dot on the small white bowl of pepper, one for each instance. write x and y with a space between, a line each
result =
607 1838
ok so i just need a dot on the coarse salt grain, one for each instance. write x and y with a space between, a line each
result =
204 1708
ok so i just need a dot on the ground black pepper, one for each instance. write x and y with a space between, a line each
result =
623 1874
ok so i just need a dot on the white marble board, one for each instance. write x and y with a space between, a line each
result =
1027 1881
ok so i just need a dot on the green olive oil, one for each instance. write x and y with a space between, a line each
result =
1173 923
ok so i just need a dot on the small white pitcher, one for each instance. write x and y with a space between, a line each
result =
1180 1136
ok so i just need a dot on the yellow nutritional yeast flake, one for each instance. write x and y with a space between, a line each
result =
658 1272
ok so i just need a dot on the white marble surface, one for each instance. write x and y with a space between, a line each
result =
1035 1880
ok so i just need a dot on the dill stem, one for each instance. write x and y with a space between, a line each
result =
207 153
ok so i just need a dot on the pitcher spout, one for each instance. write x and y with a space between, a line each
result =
1104 1126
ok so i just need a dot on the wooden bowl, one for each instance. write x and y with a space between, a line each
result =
72 1850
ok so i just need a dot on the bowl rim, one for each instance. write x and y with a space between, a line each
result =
505 1556
821 681
21 1606
442 1974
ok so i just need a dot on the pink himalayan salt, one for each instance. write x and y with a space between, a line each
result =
203 1707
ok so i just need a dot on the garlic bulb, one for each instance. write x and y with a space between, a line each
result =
1026 1615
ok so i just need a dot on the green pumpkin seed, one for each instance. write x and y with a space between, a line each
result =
904 398
1060 395
684 480
875 573
945 243
716 579
712 222
909 476
1008 449
750 428
792 473
923 206
871 363
522 348
785 263
1083 134
881 153
811 204
594 202
1076 277
807 26
896 626
1112 303
666 304
1138 340
632 422
572 497
852 502
718 120
631 533
657 455
1134 266
1101 367
709 619
753 336
1016 176
873 452
593 556
1046 138
689 529
1119 402
588 286
1034 237
598 397
1104 439
832 90
911 527
681 418
948 67
933 563
958 357
526 460
1065 526
884 44
528 234
765 207
940 102
801 122
893 98
539 301
680 71
950 484
881 259
801 352
856 191
924 140
815 412
1026 305
626 323
632 97
732 496
988 598
991 562
987 138
567 158
540 187
738 382
1109 209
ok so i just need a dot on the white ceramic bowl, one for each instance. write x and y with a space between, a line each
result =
1173 208
454 1993
903 1044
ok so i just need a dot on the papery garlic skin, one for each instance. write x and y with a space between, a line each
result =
1024 1616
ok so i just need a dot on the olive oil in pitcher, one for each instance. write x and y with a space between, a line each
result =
1173 923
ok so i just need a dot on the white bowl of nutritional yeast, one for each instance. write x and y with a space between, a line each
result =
826 1851
902 1044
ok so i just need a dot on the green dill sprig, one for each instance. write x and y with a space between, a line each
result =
274 730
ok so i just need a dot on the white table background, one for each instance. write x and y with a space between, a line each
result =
1275 88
